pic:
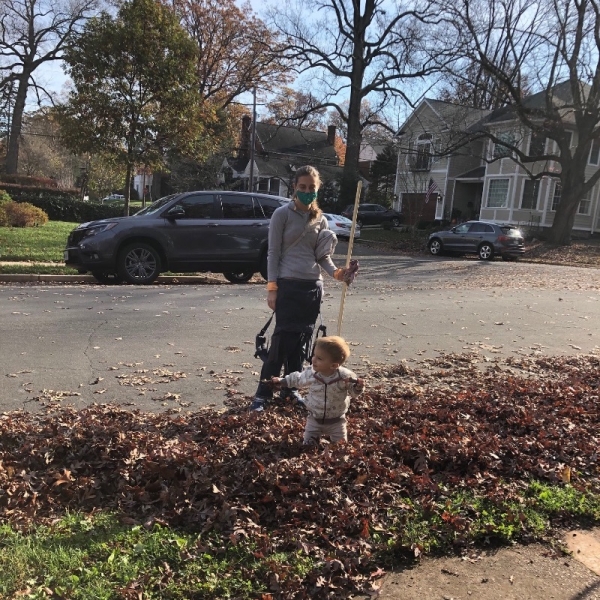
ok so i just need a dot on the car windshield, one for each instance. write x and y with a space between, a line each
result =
511 231
155 206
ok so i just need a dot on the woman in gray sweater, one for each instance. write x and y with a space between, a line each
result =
300 245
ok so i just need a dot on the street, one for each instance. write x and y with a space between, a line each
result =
183 347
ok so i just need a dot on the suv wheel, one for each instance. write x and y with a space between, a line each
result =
435 246
106 277
139 263
238 277
395 222
486 251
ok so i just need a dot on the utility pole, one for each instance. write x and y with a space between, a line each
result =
252 143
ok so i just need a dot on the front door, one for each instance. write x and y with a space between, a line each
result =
192 237
439 208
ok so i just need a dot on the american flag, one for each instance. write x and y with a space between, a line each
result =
432 188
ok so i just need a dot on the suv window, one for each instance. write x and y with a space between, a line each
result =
198 207
367 208
265 207
237 207
378 208
463 228
511 231
481 228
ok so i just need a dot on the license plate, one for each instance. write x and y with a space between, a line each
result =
66 255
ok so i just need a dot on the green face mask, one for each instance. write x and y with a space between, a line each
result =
306 197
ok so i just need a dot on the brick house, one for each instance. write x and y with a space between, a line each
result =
279 150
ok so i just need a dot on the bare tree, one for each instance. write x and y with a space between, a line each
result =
236 50
357 49
554 47
33 32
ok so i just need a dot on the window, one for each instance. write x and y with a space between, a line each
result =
585 205
481 228
537 144
556 195
198 207
422 161
501 150
497 193
237 207
594 153
462 228
265 207
531 192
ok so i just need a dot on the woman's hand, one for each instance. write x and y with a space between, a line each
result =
272 299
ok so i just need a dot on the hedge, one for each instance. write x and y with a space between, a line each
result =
62 205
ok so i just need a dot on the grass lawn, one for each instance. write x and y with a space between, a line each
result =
36 244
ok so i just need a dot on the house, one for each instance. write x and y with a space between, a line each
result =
431 183
278 151
480 179
511 195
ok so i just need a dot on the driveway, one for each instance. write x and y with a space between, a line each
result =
184 347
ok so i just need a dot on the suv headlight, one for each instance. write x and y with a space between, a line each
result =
99 229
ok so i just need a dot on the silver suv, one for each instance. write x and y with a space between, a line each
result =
483 238
218 231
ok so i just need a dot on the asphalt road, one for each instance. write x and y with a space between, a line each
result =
183 347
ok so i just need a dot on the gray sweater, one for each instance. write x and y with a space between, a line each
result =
287 225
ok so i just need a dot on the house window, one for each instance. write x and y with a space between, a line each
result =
537 144
422 160
556 195
263 185
585 205
501 149
531 192
497 193
595 153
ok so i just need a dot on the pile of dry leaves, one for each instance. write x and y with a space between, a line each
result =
417 436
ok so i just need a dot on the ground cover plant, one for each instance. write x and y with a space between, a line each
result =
444 456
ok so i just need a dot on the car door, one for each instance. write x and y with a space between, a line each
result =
366 214
455 239
244 228
478 232
191 236
380 214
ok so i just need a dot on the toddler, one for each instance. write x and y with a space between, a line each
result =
330 387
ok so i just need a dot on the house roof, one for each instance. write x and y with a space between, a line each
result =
477 173
303 143
281 149
562 97
454 116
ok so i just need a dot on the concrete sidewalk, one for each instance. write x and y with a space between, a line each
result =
533 572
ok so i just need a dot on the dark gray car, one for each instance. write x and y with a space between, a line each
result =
483 238
222 232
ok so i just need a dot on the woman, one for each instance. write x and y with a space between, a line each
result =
300 244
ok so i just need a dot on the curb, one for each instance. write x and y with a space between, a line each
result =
44 278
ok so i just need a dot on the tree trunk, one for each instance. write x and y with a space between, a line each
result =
12 155
572 180
127 188
350 174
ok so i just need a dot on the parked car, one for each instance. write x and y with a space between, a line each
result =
341 226
484 238
373 214
113 198
222 232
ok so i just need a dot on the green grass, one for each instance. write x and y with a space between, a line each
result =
390 236
83 557
97 556
38 244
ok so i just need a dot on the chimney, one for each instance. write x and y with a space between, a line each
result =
245 137
331 135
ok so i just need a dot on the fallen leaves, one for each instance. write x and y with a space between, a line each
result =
449 424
